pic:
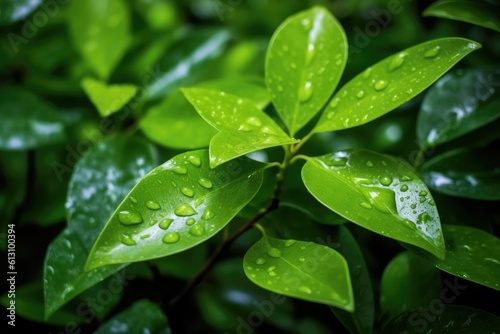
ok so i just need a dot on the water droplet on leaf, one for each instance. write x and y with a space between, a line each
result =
205 183
130 217
190 221
152 205
179 170
305 92
380 85
171 238
274 252
197 230
432 52
165 223
260 261
195 160
127 240
187 191
208 214
184 210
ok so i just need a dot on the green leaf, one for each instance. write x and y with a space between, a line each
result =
27 121
458 103
379 193
186 62
187 130
392 82
476 12
451 319
408 282
143 316
471 173
472 254
243 128
12 11
305 60
108 98
176 206
300 269
361 321
100 31
99 182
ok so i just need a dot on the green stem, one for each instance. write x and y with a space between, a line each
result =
419 160
297 147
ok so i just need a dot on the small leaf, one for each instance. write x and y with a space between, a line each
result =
176 206
187 60
408 282
451 319
379 193
27 121
243 128
300 269
392 82
187 129
108 98
99 182
458 103
305 60
12 11
361 321
471 173
472 254
476 12
143 316
100 31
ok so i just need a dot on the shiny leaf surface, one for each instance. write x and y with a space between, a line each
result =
12 11
458 103
176 206
108 98
243 128
300 269
305 60
391 82
379 193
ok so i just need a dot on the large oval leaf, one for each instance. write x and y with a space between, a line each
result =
187 129
361 321
108 98
472 254
27 121
472 173
392 82
304 63
377 192
479 13
450 319
408 282
458 103
300 269
243 128
175 207
143 316
100 30
100 181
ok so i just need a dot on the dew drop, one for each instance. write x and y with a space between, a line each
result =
127 240
145 236
187 191
208 214
334 102
171 238
184 210
305 92
190 221
405 178
330 115
423 193
380 85
129 217
179 170
165 223
369 163
365 205
152 205
305 289
397 61
311 52
274 252
302 259
386 180
271 273
205 183
197 230
133 199
382 199
423 218
337 161
367 73
194 160
260 261
360 94
254 121
338 62
288 243
306 24
432 52
153 222
404 188
492 260
413 206
244 128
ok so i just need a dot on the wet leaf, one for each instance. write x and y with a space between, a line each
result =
305 60
108 98
300 269
391 82
177 206
243 128
379 193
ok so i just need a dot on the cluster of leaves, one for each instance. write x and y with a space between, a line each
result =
128 217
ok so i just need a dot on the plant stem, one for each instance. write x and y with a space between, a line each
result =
297 147
419 160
